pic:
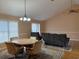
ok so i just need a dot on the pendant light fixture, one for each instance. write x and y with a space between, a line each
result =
25 18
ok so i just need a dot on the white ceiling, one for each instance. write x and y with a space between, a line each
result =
38 9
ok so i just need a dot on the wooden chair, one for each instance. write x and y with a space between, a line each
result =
13 49
35 50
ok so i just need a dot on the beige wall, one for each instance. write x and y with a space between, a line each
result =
64 23
42 26
24 27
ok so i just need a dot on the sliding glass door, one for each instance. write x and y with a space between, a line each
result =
13 29
3 31
8 29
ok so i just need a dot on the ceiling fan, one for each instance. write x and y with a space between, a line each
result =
73 10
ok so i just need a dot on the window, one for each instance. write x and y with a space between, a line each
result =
8 29
13 29
3 31
35 27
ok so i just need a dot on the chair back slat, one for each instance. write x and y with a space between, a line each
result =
11 48
36 48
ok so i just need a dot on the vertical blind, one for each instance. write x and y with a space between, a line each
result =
8 29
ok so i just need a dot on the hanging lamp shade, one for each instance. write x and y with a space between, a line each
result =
25 18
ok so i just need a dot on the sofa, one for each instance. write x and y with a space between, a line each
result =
59 40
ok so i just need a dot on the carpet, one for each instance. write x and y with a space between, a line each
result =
46 53
5 55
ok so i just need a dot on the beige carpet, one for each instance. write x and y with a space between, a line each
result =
5 55
46 53
56 52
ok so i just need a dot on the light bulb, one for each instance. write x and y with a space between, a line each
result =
24 19
21 18
28 19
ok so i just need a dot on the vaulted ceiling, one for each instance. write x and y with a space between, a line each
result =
37 9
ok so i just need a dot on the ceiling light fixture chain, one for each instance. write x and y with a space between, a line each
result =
25 7
25 18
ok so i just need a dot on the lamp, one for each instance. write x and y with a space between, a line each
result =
25 18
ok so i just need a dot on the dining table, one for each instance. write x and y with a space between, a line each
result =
25 42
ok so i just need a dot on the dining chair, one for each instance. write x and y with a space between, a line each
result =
35 50
13 38
13 49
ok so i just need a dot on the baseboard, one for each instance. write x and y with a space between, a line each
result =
74 39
